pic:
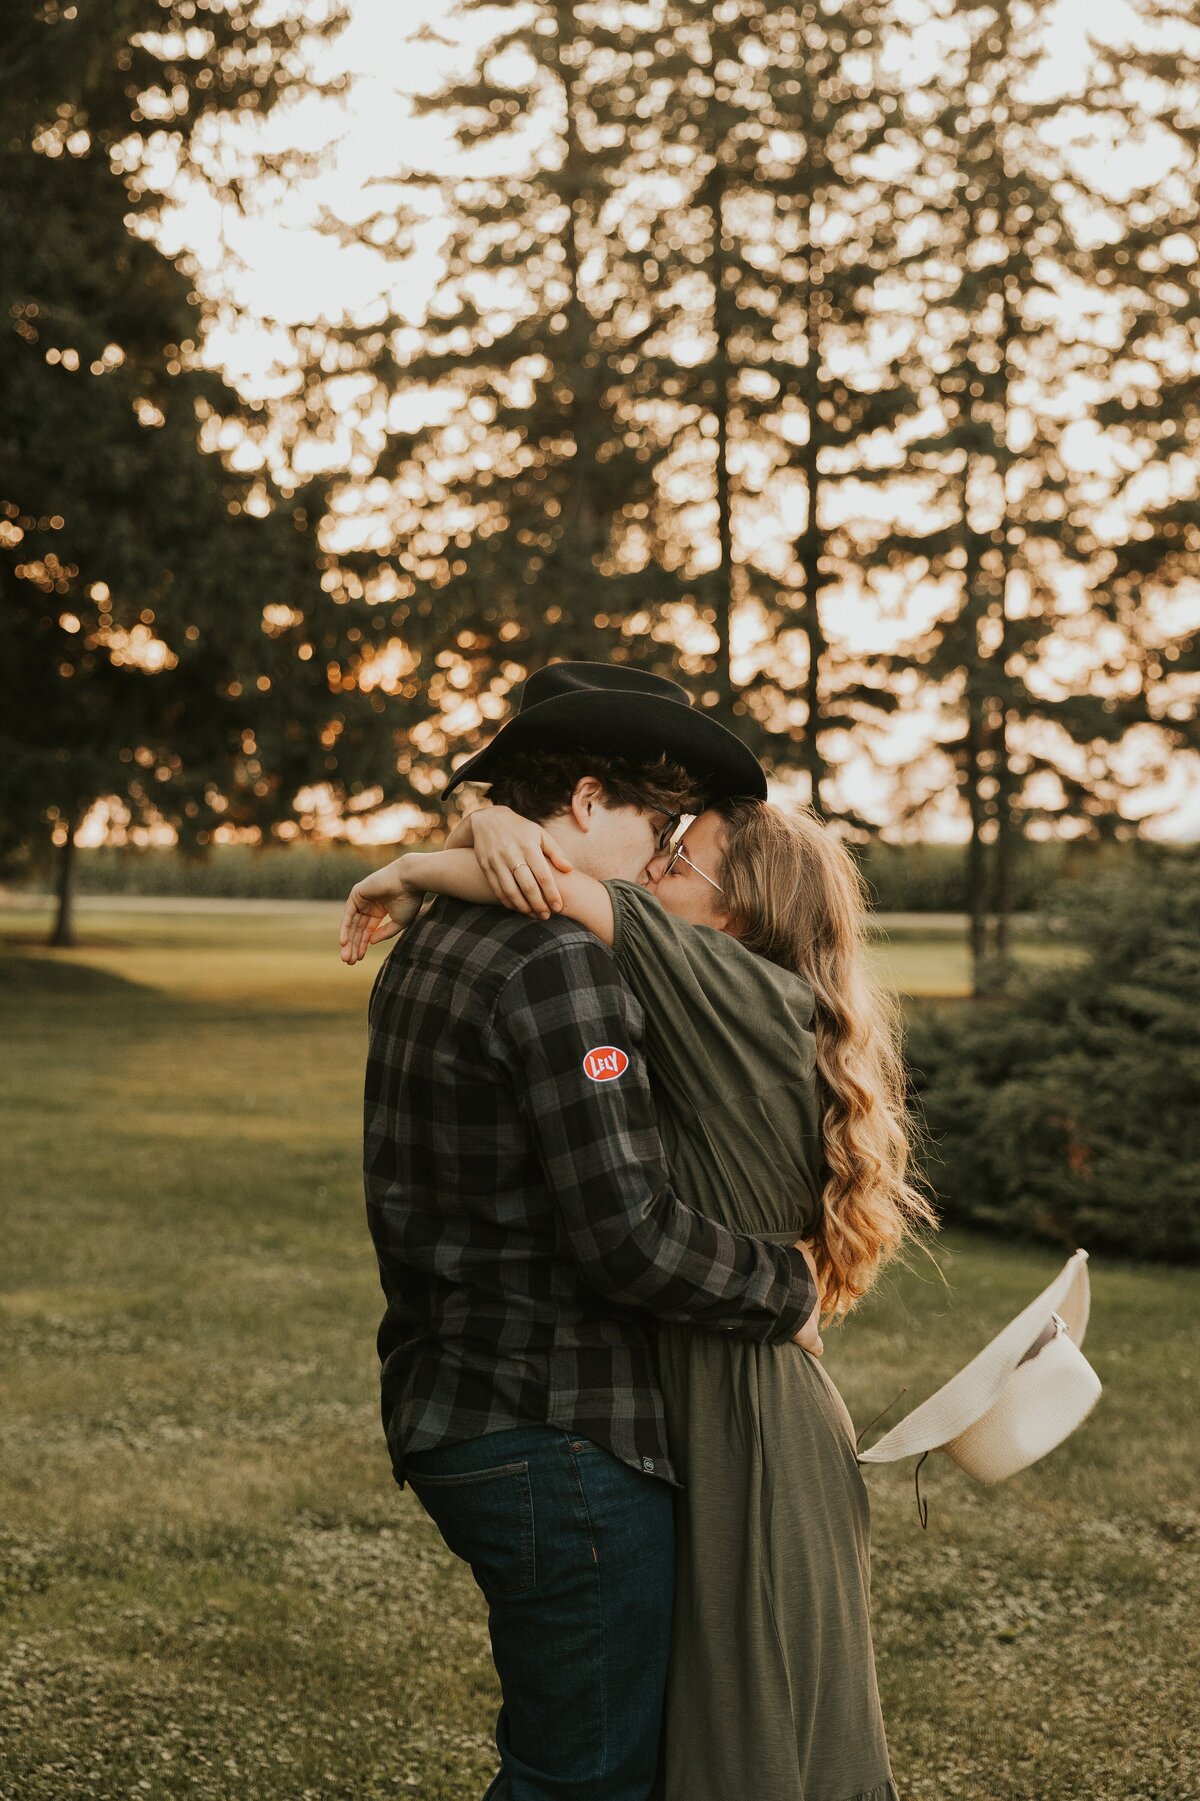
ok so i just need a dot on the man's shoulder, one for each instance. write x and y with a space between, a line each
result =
493 944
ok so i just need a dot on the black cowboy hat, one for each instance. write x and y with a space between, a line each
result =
618 712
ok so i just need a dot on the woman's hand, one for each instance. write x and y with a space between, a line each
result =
379 907
518 858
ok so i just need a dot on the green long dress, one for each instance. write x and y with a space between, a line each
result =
771 1690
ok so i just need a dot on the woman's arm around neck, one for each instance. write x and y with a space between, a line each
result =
456 872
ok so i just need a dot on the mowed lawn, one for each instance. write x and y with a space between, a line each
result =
211 1586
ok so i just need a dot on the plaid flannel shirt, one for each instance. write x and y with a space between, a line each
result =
527 1234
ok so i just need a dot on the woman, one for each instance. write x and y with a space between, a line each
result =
779 1090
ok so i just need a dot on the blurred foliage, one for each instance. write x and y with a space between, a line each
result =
901 878
1069 1111
752 361
654 334
517 513
1146 569
168 640
999 520
231 871
765 336
934 878
765 283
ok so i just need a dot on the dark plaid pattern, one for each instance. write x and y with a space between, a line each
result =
527 1234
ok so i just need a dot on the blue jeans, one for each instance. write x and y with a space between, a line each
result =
574 1553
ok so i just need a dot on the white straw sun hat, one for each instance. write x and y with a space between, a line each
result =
1019 1398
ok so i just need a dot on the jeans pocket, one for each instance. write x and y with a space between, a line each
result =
486 1518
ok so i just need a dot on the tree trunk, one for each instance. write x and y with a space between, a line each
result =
810 546
977 898
579 520
723 579
63 935
1002 887
976 849
1005 796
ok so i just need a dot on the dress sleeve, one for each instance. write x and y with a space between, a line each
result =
719 1019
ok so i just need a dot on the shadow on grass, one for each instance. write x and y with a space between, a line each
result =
50 973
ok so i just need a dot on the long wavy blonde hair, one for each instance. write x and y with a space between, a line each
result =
794 894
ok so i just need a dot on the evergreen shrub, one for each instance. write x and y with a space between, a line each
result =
1070 1110
932 878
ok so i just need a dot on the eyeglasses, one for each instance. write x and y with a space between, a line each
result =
668 831
679 855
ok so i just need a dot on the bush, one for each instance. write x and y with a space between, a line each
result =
232 871
932 878
1070 1111
903 878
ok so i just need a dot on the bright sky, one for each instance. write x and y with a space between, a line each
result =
277 265
292 272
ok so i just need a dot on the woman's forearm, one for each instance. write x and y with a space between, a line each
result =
463 835
453 872
457 873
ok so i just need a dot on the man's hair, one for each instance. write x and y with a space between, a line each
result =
540 784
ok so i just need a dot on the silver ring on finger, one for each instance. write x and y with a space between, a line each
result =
522 866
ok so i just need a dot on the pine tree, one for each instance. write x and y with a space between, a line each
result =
168 641
1004 509
513 506
653 177
770 117
1149 273
1068 1111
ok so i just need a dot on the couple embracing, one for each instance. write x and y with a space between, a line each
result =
634 1123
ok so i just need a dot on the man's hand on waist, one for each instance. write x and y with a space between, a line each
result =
809 1337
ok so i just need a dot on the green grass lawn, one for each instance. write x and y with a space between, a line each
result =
210 1585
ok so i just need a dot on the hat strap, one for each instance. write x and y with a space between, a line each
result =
922 1504
879 1416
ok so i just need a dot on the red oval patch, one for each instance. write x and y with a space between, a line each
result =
605 1062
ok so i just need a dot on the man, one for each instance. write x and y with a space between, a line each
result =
528 1239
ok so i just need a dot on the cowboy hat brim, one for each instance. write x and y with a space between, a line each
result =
962 1401
624 724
